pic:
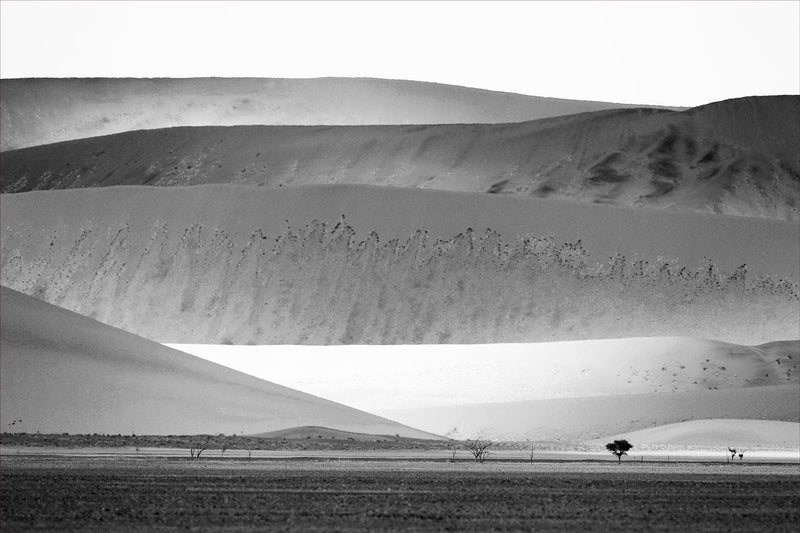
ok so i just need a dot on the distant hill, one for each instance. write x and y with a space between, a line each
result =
63 372
737 157
46 110
311 432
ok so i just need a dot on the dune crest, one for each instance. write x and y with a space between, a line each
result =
736 157
46 110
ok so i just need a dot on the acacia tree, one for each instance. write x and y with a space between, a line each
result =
619 448
479 448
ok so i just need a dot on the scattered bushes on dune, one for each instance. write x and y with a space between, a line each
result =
325 283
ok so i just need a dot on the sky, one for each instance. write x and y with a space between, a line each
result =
647 52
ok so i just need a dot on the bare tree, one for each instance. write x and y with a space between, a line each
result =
619 448
198 447
479 448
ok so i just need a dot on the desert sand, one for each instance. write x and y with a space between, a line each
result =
41 111
736 157
738 434
575 420
567 391
397 376
63 372
220 264
256 212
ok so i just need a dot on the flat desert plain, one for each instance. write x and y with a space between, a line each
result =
68 495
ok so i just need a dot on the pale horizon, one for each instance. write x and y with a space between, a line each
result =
649 53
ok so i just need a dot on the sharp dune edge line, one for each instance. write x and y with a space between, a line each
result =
736 157
190 281
399 377
63 372
41 111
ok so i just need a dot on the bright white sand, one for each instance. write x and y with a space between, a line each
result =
572 391
385 377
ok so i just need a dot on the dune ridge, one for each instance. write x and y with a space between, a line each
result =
47 110
736 157
177 275
63 372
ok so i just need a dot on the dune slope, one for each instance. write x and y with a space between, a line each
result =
736 157
41 111
62 372
717 433
401 377
247 265
587 418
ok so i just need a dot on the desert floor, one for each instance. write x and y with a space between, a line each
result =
61 493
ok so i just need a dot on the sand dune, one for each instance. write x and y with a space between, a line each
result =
572 391
587 418
401 377
40 111
735 157
62 372
739 434
246 265
312 432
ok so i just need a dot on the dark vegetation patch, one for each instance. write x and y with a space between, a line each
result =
711 156
792 173
497 187
667 145
606 172
312 441
607 175
544 190
708 173
664 168
661 187
690 145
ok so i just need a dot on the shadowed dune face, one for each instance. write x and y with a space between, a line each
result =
41 111
62 372
736 157
217 264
